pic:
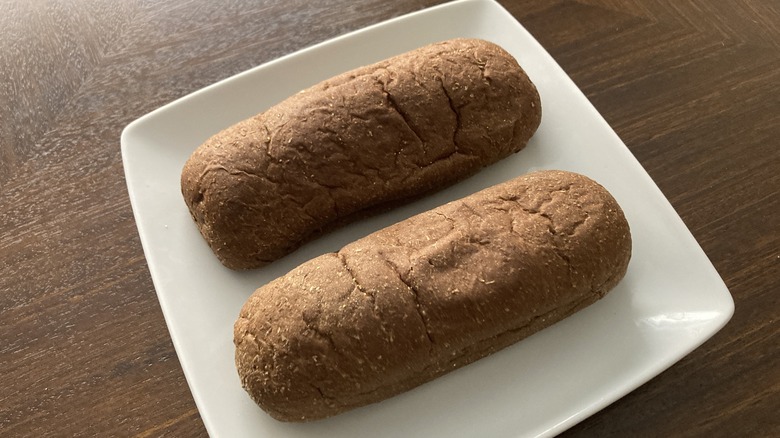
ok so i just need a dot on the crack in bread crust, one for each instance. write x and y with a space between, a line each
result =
417 305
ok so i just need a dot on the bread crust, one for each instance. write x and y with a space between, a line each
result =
374 136
430 294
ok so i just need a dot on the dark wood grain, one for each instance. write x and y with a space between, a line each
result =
691 87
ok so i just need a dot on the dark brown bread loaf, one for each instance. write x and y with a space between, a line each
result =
371 137
430 294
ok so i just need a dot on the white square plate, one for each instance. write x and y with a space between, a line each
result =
671 300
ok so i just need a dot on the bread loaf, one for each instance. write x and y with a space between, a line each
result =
429 294
372 137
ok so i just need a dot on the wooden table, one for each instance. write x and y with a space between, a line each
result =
693 88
